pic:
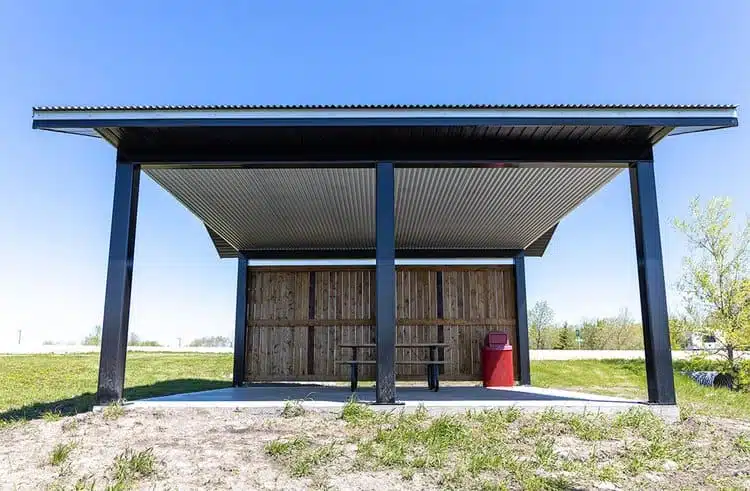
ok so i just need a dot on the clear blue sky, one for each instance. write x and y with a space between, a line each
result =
56 190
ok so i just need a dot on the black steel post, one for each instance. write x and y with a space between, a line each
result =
657 348
240 323
385 284
119 281
522 322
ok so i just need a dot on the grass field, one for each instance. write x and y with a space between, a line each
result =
35 385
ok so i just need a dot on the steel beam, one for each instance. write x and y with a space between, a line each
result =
385 285
304 254
341 155
240 323
522 322
658 351
119 281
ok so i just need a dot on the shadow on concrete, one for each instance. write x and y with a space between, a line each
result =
275 392
84 402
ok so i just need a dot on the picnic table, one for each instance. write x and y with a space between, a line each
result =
432 364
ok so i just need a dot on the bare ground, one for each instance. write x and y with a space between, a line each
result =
229 449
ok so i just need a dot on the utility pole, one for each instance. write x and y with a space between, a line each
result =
19 336
179 342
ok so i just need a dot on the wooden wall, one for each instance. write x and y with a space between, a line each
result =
298 317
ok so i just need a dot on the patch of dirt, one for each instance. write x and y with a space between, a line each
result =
225 449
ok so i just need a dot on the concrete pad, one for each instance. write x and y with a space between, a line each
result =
270 398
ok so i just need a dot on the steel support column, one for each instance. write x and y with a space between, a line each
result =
522 323
119 280
240 323
658 352
385 284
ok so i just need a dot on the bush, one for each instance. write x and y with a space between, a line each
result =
743 375
702 363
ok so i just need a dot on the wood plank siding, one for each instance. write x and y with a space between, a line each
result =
298 317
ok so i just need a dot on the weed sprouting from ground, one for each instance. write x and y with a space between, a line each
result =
308 462
544 451
742 443
9 423
130 466
644 422
50 416
356 413
292 409
85 483
300 456
70 425
113 411
60 453
278 448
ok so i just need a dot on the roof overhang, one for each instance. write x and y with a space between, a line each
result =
294 182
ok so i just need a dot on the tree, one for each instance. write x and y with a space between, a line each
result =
716 275
621 332
135 340
95 338
540 320
211 342
564 338
680 329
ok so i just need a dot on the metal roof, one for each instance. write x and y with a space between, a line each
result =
230 166
382 106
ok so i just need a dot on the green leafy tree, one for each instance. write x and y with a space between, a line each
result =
565 338
95 338
716 275
541 317
680 329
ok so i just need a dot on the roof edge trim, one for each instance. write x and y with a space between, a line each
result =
94 117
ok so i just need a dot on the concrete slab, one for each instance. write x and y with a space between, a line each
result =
269 398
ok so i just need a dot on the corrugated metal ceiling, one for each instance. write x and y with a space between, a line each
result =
436 208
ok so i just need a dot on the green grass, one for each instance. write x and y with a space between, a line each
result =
113 411
35 385
627 378
51 386
508 446
60 453
292 409
742 443
131 466
300 456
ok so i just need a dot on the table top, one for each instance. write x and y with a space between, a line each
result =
410 345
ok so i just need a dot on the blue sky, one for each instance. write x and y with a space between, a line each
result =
56 190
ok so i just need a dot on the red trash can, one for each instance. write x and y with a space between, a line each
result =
497 361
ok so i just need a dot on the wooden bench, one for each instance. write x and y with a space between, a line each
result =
432 364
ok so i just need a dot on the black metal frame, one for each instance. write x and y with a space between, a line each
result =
495 154
119 280
305 254
658 351
240 324
522 323
648 248
385 284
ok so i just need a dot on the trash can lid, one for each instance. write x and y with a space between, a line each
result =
499 347
496 338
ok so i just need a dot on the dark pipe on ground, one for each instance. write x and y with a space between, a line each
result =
712 379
